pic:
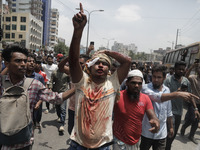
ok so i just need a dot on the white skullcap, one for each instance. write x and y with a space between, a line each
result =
135 73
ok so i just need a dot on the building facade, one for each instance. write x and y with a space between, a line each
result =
28 6
23 28
121 48
46 12
53 36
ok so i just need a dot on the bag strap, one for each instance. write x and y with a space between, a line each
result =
7 84
27 83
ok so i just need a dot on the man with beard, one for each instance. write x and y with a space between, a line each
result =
163 112
129 112
174 83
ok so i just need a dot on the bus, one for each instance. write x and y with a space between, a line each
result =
189 54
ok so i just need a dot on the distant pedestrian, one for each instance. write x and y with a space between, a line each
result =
48 69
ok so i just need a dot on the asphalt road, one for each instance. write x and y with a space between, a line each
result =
48 138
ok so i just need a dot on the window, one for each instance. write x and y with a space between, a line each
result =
23 27
23 19
14 27
7 35
20 36
7 27
14 0
13 35
8 19
14 18
14 5
13 10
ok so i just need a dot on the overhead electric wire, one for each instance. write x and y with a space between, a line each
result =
66 6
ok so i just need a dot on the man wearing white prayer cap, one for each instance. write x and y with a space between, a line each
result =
129 112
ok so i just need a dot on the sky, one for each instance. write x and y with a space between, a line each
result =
149 24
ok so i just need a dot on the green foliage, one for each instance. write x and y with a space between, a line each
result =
61 47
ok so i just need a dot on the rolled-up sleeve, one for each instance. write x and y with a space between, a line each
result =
50 96
45 94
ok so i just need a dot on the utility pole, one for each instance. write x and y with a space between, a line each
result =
176 38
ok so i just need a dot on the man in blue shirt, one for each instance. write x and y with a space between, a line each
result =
163 111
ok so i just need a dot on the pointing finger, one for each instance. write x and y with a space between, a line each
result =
81 8
195 96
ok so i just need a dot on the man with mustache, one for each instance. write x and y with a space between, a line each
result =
96 92
129 112
163 111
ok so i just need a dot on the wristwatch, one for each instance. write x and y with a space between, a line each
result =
196 109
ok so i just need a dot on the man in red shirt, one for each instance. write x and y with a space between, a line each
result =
129 112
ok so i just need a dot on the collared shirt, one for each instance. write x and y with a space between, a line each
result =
173 84
36 76
37 91
162 110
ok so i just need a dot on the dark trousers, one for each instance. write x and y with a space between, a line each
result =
71 115
176 124
37 114
47 105
158 144
191 120
61 112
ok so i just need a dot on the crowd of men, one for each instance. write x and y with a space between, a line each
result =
113 102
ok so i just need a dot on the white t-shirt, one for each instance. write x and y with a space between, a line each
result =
93 111
48 69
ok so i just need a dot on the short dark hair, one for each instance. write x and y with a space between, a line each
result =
84 56
159 68
32 56
133 62
179 63
49 56
9 50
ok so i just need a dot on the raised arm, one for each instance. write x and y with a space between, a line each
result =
79 21
124 61
62 67
187 74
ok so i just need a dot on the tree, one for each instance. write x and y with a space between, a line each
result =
61 47
131 54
